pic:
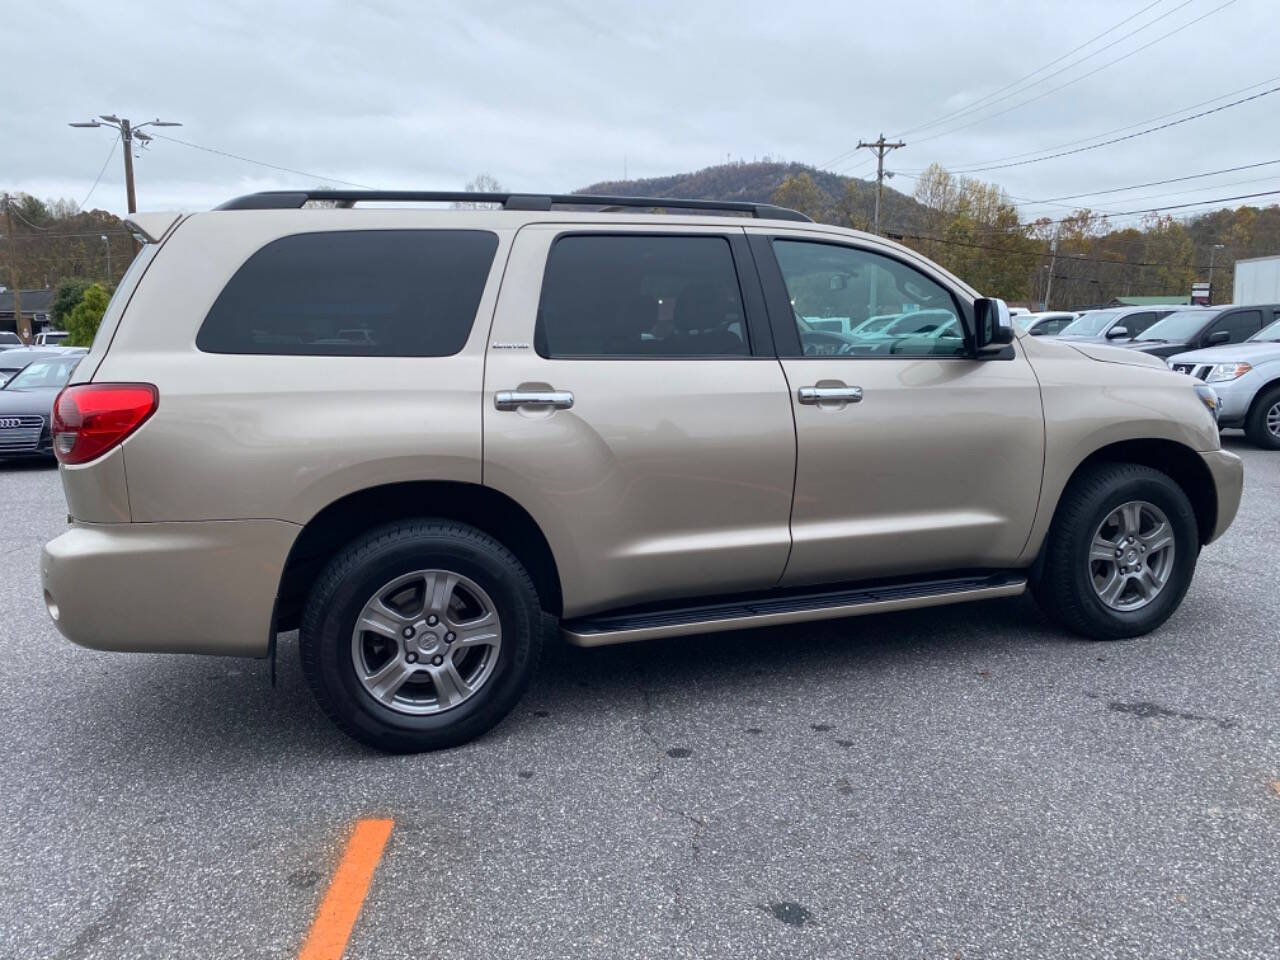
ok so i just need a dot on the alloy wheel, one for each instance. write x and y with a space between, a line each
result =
426 642
1131 556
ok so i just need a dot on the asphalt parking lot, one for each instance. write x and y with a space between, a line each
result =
955 783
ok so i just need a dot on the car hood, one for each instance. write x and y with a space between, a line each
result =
36 400
1106 354
1259 352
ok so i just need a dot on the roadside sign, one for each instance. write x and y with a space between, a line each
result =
1201 294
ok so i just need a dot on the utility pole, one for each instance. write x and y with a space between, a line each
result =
128 134
1053 259
1212 250
880 148
106 242
21 325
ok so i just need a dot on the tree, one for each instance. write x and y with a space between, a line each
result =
83 321
799 192
65 297
481 183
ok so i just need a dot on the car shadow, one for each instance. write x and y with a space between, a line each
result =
191 711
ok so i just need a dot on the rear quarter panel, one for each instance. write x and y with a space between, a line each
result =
281 437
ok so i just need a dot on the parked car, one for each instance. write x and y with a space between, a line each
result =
1246 378
565 418
1115 324
1198 327
51 338
1047 323
26 405
9 340
11 361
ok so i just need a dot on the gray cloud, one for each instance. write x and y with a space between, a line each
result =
554 95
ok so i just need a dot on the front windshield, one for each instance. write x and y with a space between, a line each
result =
1268 334
1090 324
1177 326
43 373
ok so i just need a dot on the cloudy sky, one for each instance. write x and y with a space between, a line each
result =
552 96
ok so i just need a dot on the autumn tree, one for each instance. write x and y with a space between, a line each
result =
799 192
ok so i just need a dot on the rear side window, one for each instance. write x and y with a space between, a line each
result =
1138 322
373 293
641 295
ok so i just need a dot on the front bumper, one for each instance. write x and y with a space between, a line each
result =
1227 471
1234 397
202 587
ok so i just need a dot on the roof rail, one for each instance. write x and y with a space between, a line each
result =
293 199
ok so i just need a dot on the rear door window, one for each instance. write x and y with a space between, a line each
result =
1240 325
374 293
641 295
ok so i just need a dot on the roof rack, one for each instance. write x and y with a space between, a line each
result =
293 199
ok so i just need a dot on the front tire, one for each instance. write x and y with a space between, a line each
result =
1120 553
420 635
1263 423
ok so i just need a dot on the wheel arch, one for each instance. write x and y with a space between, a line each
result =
1179 462
348 517
1258 394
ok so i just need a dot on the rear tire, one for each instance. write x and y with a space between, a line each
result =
1105 575
1263 423
421 635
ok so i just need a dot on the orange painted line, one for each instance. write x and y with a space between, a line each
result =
340 908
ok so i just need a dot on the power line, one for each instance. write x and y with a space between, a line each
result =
984 100
1130 136
979 104
1037 254
1126 126
1184 192
262 163
1159 183
1083 76
98 179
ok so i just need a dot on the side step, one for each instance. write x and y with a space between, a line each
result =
772 608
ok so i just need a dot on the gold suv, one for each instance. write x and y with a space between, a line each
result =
426 438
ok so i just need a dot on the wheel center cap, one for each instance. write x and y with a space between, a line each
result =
1132 556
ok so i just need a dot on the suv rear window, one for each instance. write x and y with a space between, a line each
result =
641 295
374 293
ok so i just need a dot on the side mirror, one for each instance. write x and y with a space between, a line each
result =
1118 333
993 324
1218 336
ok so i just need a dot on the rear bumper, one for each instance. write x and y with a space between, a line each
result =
1227 471
204 587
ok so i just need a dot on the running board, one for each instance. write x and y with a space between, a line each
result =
764 610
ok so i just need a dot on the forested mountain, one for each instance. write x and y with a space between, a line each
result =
837 199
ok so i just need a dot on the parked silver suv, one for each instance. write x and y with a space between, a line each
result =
425 437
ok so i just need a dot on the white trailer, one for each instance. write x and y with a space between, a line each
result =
1257 280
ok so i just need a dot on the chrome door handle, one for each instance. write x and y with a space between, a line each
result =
513 399
812 395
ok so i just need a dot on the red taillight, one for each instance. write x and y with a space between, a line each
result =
91 418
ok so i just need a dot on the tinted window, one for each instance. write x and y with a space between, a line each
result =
1241 325
641 296
850 302
1135 323
377 293
10 339
1049 328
